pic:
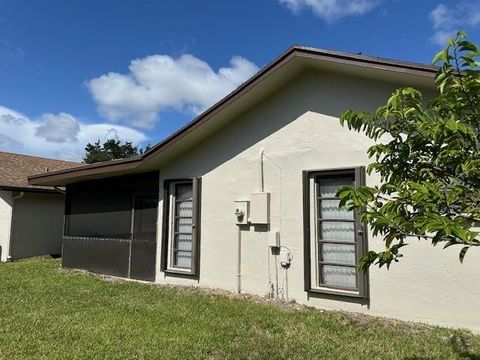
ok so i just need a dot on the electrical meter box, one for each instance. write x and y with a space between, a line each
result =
241 211
260 208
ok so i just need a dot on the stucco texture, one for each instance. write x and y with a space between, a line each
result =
5 223
31 224
298 128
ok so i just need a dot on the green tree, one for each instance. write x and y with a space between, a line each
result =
428 157
110 150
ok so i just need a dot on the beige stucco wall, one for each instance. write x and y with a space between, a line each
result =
5 223
37 225
298 129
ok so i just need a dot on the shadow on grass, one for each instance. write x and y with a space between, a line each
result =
461 347
465 354
461 355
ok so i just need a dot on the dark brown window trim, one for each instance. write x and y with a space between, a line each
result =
180 274
197 195
362 247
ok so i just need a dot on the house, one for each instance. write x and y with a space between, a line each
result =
31 217
243 198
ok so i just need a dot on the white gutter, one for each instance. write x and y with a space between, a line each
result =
19 196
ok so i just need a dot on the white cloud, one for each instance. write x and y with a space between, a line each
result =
448 20
159 82
331 10
57 135
58 128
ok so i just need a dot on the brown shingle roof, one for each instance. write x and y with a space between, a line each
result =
15 168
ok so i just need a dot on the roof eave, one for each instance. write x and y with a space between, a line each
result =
118 166
57 177
31 189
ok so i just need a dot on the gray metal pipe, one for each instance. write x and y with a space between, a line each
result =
239 261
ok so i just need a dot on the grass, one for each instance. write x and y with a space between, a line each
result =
46 313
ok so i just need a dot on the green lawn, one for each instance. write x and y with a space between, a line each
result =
46 313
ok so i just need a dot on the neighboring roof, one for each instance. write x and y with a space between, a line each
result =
15 169
296 51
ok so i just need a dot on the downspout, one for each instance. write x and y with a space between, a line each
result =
239 261
12 221
261 187
60 190
19 196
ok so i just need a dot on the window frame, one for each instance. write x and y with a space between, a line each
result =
167 228
361 240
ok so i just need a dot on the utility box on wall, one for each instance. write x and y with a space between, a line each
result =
260 208
241 211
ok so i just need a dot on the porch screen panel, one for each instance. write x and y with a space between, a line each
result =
99 234
100 215
144 242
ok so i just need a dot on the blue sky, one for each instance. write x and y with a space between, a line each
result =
76 71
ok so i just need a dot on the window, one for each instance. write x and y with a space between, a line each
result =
181 226
334 239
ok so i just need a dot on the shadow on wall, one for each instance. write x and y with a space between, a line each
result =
37 225
312 91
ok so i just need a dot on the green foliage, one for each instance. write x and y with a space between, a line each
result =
428 158
110 150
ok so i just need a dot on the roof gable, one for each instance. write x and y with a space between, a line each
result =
342 61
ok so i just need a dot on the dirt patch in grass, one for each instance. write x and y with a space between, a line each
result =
345 317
